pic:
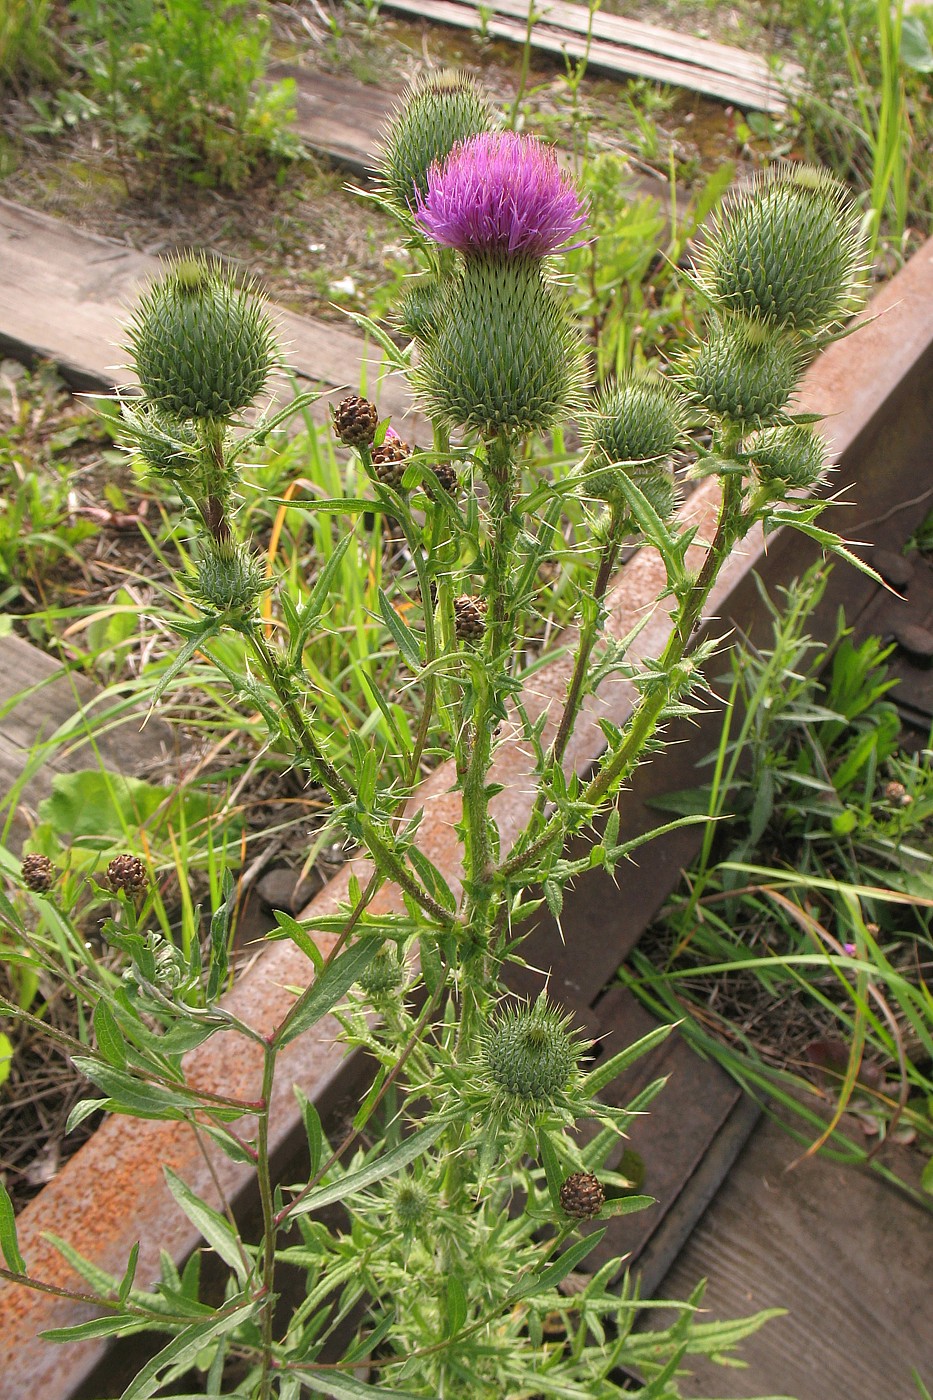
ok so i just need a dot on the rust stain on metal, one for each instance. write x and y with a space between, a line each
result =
113 1191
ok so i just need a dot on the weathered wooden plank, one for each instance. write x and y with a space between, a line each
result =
338 117
64 295
697 71
38 696
848 1256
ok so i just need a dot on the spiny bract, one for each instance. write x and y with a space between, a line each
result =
530 1053
441 110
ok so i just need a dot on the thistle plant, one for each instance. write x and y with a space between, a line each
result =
464 1203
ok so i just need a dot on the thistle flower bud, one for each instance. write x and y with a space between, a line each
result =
38 873
441 110
127 872
165 446
355 421
742 373
794 455
469 618
385 973
786 251
447 477
582 1195
411 1203
505 357
202 346
633 429
500 193
530 1053
230 578
417 312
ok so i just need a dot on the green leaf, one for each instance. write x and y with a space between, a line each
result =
220 935
108 1326
110 1042
126 1283
313 1130
384 1165
340 1385
211 627
6 1058
184 1348
320 594
551 1164
405 639
328 988
215 1227
134 1096
926 1177
456 1306
83 1109
300 937
915 45
8 1240
602 1075
558 1271
626 1205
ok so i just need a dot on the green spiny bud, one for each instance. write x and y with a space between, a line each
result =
229 578
411 1203
202 346
506 357
639 420
417 313
385 973
530 1053
742 373
165 446
440 110
786 250
794 455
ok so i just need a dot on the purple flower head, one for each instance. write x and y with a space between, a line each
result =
500 192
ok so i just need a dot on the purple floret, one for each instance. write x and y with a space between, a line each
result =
500 192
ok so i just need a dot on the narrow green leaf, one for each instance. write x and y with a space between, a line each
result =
405 638
82 1110
8 1240
558 1271
340 1385
313 1130
384 1165
626 1205
133 1095
215 1227
300 937
108 1326
196 639
126 1283
321 593
456 1306
184 1348
110 1042
602 1075
552 1171
220 936
103 1283
328 988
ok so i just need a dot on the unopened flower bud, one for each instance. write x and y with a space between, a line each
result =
390 459
793 454
582 1196
530 1053
441 110
202 346
742 373
230 578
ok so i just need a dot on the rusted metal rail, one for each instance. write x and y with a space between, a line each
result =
876 390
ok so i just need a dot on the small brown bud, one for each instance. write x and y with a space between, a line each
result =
390 460
897 793
582 1196
469 618
355 421
38 873
127 873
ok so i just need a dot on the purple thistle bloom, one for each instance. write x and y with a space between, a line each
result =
499 192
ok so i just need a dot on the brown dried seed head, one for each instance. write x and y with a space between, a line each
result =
390 460
127 873
38 873
897 793
355 421
469 618
447 477
582 1196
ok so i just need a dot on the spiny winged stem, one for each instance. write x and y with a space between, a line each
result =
488 697
381 844
732 525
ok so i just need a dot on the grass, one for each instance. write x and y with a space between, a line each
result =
800 950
